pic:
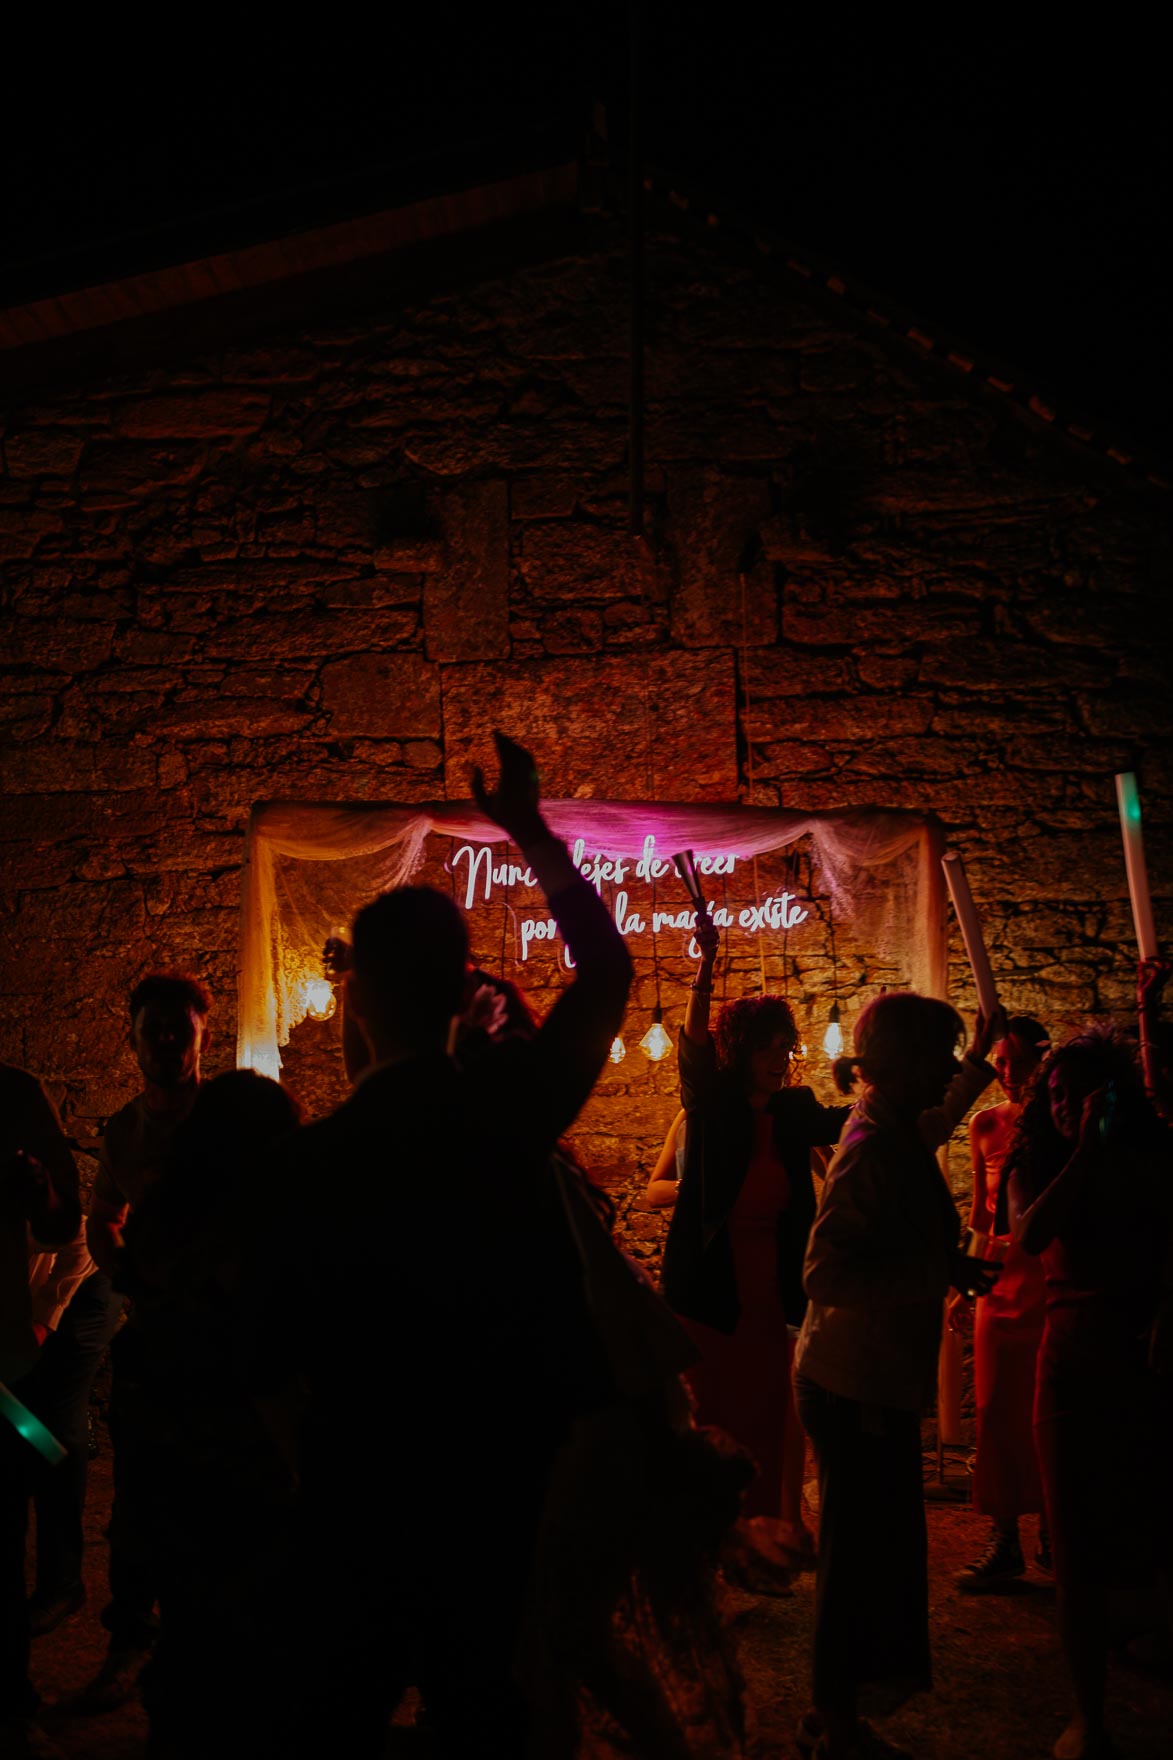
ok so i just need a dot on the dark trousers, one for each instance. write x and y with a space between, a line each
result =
59 1392
871 1640
129 1615
397 1589
17 1698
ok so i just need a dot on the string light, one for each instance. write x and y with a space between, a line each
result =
833 1037
655 1043
618 1049
320 1000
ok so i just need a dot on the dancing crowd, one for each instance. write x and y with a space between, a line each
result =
390 1409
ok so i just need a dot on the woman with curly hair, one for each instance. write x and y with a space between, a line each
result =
733 1258
1092 1185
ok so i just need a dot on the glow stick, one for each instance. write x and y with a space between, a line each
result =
1128 800
28 1425
971 931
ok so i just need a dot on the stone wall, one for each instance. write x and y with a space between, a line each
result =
322 558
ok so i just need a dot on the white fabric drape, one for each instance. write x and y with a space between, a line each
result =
294 892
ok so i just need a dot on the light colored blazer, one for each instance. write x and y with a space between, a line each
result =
878 1261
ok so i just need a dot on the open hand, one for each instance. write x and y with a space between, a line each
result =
513 804
959 1313
987 1033
974 1277
337 957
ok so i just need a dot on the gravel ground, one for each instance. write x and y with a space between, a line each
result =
1000 1691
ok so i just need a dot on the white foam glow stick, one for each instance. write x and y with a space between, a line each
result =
971 931
1128 800
28 1425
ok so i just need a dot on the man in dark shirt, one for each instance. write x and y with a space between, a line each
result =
447 1349
169 1032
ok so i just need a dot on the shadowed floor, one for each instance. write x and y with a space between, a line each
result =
1000 1692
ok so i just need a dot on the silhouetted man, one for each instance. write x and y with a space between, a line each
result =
169 1031
438 1318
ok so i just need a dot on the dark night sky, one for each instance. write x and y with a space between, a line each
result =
1012 193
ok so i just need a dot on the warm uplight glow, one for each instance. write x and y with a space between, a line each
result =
833 1037
655 1042
618 1049
320 1001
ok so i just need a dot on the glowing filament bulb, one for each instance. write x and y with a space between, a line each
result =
655 1042
833 1037
320 1001
618 1049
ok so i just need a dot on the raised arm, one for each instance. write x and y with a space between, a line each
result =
959 1304
574 1041
973 1077
696 1018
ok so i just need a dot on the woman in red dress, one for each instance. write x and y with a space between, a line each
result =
733 1258
1008 1329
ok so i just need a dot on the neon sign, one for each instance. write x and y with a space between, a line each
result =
482 874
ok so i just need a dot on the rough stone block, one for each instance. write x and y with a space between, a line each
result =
72 768
383 696
573 563
573 632
625 728
543 497
68 647
42 452
466 602
861 626
714 519
195 415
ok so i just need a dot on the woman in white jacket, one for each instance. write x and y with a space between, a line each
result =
882 1255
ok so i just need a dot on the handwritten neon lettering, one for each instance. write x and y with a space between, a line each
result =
627 925
649 866
773 913
599 867
536 929
480 867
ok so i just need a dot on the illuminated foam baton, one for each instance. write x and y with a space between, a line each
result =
1128 801
28 1425
971 931
685 863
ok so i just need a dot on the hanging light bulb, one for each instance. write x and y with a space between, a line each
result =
655 1042
320 1001
618 1049
833 1037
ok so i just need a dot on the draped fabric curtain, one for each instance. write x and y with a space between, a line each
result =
310 865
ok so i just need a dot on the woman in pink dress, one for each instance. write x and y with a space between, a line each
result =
1008 1329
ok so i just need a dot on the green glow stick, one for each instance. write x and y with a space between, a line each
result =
28 1425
